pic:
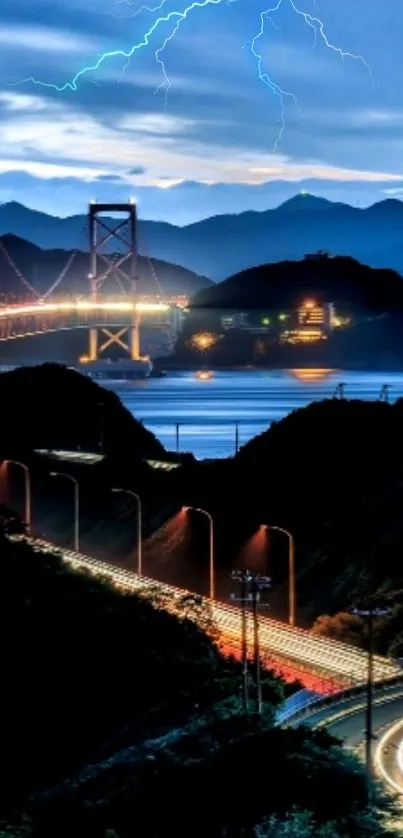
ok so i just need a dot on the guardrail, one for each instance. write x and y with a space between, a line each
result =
293 711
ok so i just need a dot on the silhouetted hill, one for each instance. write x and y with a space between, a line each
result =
42 267
226 244
287 284
68 411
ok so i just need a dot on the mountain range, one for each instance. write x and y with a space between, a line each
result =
222 245
41 268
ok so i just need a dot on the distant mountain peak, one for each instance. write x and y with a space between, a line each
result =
304 201
14 205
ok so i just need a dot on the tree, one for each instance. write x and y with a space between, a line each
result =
396 647
295 825
10 522
349 628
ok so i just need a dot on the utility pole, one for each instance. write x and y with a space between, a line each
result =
369 614
256 645
339 392
251 586
177 428
236 437
101 407
384 393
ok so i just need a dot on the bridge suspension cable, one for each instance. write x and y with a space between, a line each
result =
61 276
65 269
146 254
17 271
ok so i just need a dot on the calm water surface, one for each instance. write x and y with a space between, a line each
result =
207 410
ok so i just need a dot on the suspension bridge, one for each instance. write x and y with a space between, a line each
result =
111 311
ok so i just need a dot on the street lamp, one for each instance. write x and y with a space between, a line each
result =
291 573
76 505
211 546
27 490
139 526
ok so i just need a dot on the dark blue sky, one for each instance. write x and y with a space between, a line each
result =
217 143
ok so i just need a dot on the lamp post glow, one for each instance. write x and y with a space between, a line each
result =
211 546
139 526
76 505
291 573
27 491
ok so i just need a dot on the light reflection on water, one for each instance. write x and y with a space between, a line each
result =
208 409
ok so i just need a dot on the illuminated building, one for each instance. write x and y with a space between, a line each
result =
313 315
312 322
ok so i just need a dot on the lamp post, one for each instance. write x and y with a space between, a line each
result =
76 505
211 546
291 573
139 526
27 492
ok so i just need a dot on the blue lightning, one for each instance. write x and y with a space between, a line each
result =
318 27
177 17
139 10
265 78
122 53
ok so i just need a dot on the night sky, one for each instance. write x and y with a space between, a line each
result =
214 143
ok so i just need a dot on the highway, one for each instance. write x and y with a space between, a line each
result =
343 665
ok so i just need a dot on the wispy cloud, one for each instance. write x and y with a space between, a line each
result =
44 39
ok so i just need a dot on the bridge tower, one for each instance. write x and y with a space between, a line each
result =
121 266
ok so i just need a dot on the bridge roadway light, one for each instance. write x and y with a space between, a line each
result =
27 492
139 526
211 545
291 571
76 505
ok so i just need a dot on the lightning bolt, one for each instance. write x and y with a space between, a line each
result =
178 17
318 27
275 88
122 53
137 12
140 9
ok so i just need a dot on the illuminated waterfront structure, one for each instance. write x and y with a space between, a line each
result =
312 322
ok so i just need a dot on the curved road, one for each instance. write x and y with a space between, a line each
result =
349 724
347 721
388 756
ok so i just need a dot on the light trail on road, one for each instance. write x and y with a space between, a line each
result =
388 758
345 664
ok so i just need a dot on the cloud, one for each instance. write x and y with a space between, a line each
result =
16 101
44 39
320 171
105 178
137 170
